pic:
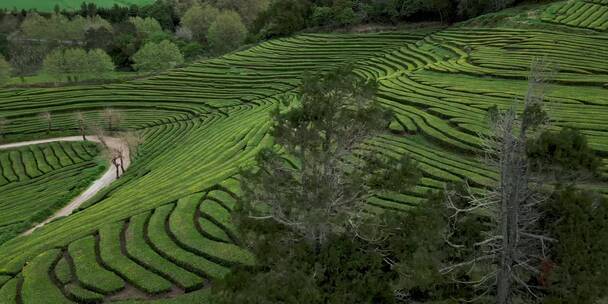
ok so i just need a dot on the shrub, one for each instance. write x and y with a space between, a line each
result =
567 149
322 15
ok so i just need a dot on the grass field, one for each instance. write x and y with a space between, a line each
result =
49 5
165 225
45 79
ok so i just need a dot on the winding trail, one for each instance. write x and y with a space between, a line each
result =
106 179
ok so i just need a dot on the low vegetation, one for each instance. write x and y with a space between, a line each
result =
372 153
38 180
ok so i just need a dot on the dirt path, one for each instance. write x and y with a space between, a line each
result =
106 179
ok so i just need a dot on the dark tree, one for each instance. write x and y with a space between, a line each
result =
164 12
88 9
125 44
565 153
26 58
115 14
304 209
283 18
98 38
324 131
577 273
4 46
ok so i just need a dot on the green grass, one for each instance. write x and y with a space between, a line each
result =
4 279
38 286
63 271
216 221
167 247
196 297
32 189
112 256
49 5
89 272
80 294
139 250
8 291
203 123
48 80
181 223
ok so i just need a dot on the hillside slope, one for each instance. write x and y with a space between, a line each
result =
164 231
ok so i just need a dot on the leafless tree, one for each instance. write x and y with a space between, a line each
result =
513 249
3 123
48 117
113 118
133 141
116 159
112 154
81 124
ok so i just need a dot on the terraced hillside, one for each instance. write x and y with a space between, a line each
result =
163 231
38 179
590 14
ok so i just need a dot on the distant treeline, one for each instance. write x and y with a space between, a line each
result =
284 17
196 29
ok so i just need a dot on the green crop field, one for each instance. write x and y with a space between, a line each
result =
38 179
163 231
590 14
49 5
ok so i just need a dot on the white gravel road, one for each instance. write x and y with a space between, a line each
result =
106 179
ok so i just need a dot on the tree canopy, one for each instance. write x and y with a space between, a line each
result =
198 19
76 63
5 71
146 27
158 56
227 32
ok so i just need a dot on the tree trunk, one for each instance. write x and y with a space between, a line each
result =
116 166
84 138
514 186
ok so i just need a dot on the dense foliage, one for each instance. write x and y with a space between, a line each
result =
188 24
304 213
157 56
167 222
566 151
226 33
77 64
579 220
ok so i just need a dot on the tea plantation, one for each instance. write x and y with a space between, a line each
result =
162 233
38 179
